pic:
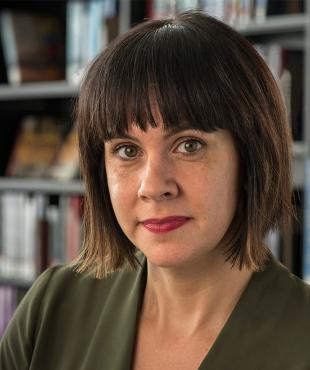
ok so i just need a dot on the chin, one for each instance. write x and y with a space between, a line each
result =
168 257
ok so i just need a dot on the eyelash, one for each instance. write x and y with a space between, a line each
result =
117 149
122 146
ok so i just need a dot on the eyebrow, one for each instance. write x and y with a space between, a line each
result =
171 131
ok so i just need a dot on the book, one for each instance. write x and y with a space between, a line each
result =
55 248
8 304
35 147
273 242
33 46
75 10
90 27
49 233
66 163
162 9
184 5
306 226
260 11
73 227
287 68
21 253
277 7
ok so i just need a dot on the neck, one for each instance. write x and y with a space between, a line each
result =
186 299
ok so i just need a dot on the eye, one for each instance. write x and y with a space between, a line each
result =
127 151
189 146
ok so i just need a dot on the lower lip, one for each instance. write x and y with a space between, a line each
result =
165 227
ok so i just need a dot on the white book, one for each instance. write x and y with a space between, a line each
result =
306 226
9 48
13 232
273 242
53 219
163 8
75 11
261 11
215 8
35 206
96 24
184 5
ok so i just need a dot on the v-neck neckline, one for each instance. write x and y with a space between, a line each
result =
240 319
237 322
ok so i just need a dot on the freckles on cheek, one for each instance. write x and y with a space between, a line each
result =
119 190
114 189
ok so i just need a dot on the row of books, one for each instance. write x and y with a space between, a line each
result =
9 298
234 12
91 25
40 46
287 68
36 232
42 148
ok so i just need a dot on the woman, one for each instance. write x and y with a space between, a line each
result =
185 153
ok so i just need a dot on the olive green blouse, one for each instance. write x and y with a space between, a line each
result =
69 321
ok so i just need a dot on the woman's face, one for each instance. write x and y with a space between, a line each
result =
174 194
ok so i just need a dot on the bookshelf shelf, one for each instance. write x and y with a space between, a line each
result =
17 283
275 25
300 149
41 186
52 89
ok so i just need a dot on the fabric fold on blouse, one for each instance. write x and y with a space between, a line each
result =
72 321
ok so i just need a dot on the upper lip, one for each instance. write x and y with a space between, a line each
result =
164 219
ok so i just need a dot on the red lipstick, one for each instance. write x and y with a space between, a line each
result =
164 225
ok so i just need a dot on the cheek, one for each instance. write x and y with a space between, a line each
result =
228 194
220 195
122 193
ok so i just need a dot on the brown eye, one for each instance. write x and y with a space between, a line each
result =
127 151
189 146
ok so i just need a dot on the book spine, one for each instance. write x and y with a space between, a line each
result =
73 228
96 23
8 304
260 11
306 228
9 48
73 48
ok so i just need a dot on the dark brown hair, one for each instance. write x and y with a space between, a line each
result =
201 71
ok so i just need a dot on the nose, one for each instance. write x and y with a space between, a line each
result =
158 182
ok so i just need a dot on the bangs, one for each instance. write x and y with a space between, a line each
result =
167 69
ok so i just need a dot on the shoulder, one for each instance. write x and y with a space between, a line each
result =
295 289
285 300
65 284
61 304
297 304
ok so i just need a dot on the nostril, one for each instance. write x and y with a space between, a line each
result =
167 194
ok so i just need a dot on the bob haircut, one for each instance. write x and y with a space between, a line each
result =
203 73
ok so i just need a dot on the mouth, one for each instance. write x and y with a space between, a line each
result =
164 225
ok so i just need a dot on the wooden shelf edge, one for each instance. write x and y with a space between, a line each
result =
35 90
15 283
46 186
274 25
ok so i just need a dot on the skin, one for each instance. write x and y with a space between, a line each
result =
191 290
